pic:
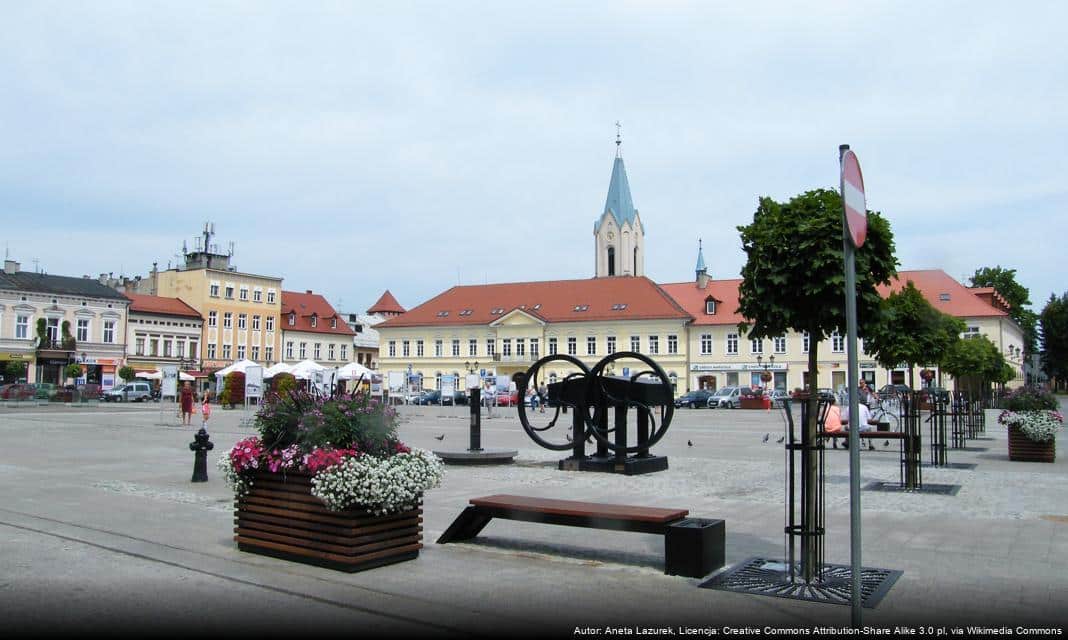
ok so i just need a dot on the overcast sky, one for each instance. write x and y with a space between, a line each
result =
358 147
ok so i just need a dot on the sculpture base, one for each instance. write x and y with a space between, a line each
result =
632 466
484 456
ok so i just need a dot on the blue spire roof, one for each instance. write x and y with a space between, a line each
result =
618 201
700 258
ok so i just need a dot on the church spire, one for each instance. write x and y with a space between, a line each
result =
702 271
619 236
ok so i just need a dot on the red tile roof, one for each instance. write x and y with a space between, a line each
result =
634 298
161 306
305 305
386 304
934 284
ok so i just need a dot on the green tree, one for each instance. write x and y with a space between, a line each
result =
975 363
1054 320
794 279
910 330
73 370
1018 296
127 373
16 369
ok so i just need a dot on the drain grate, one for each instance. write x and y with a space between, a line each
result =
928 487
761 576
967 466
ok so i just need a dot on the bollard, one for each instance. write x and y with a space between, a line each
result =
202 446
476 420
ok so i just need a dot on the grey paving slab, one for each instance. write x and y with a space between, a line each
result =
99 525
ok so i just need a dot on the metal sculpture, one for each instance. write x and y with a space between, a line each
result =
591 395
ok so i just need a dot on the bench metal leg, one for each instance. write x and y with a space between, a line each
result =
466 526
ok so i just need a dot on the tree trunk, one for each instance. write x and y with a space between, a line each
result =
809 544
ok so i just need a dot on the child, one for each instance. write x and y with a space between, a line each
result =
205 410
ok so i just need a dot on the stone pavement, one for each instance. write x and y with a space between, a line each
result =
101 530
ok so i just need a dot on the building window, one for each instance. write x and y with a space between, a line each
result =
193 350
591 345
506 347
610 344
406 349
268 353
213 318
710 307
491 346
255 323
392 349
439 348
289 351
804 342
53 329
226 352
214 291
153 346
706 344
228 320
552 347
837 342
270 296
673 344
257 295
242 321
333 323
109 332
83 330
229 291
317 351
22 326
255 354
314 321
732 344
270 323
472 347
139 348
534 348
572 346
970 332
418 348
240 352
303 350
779 344
635 344
292 319
654 345
456 348
244 294
211 350
756 345
344 352
520 346
166 348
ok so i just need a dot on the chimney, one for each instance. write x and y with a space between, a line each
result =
103 279
308 291
11 267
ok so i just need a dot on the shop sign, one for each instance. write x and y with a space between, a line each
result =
737 366
14 356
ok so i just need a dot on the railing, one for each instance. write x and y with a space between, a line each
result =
67 344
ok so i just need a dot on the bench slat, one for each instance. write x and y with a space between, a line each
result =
576 508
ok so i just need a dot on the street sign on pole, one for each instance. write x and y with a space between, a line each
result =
856 208
854 231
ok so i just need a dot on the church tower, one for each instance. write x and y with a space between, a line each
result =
619 239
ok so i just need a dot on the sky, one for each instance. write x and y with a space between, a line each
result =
357 147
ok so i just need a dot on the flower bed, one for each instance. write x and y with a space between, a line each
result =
1032 434
328 482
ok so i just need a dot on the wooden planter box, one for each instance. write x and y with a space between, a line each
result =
1023 449
755 402
281 518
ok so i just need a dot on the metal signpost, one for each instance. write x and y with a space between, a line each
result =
854 232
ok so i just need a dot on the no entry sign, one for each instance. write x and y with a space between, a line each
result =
856 211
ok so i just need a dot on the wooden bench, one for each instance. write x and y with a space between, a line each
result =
835 436
693 547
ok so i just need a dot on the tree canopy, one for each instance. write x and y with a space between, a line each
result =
977 359
794 278
1018 296
1054 319
910 330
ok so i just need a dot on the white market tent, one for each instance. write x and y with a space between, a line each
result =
240 365
158 375
274 370
304 369
353 371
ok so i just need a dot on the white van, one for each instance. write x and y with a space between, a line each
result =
131 391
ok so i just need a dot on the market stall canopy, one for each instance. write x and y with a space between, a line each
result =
158 375
274 370
354 371
240 365
303 369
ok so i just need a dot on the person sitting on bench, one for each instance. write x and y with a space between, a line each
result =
832 421
866 423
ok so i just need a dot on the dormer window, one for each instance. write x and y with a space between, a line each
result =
710 306
944 297
498 311
619 307
581 307
333 323
443 314
465 312
292 319
536 307
314 321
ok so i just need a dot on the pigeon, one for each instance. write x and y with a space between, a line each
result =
689 443
766 436
441 437
780 440
886 443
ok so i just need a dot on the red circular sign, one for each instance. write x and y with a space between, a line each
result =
856 210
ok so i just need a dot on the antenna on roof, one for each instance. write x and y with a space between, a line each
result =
36 265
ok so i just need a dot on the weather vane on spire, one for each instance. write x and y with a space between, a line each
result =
619 135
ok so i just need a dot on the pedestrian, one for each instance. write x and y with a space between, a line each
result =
205 410
186 399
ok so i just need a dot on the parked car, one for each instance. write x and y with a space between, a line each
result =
777 396
18 391
45 390
433 397
89 391
131 392
891 389
507 398
726 398
693 399
460 397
